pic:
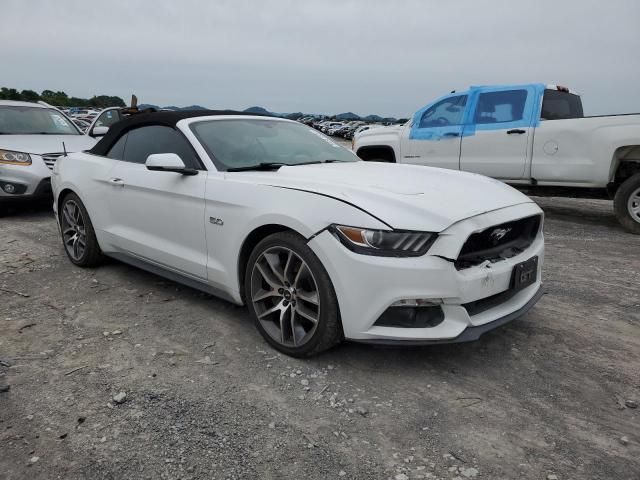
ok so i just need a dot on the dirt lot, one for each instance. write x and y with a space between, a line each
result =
207 398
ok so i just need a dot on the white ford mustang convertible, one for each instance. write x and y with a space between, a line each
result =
319 245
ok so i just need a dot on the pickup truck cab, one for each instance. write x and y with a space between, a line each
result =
532 136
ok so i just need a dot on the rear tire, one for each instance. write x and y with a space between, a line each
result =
626 204
78 236
291 297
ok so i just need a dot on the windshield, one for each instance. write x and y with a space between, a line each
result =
239 143
34 121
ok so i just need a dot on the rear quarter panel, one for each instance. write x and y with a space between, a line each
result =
579 152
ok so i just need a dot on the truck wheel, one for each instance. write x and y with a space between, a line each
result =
627 204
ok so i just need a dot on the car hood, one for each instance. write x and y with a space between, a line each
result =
38 144
402 196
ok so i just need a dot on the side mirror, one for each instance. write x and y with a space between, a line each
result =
99 131
168 162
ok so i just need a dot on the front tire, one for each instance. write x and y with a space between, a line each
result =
78 236
626 204
291 297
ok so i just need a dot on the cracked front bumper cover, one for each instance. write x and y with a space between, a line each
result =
470 334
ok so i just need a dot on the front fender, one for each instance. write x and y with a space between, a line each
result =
249 207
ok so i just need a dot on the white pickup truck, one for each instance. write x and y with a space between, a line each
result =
533 136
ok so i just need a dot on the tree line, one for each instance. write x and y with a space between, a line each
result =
60 99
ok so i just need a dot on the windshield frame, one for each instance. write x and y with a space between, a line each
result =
50 110
193 135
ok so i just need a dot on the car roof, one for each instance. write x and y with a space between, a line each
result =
15 103
164 118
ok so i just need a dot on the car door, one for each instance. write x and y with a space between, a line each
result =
498 132
434 135
158 216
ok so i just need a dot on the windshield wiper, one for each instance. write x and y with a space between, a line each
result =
49 133
259 166
277 165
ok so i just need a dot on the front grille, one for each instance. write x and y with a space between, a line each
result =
498 242
50 159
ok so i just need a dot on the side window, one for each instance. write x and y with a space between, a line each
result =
558 105
446 112
117 150
145 141
499 107
108 118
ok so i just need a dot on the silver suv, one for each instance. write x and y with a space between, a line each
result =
31 137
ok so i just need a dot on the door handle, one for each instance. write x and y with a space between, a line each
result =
117 181
451 134
516 131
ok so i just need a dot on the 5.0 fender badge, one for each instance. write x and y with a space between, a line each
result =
216 221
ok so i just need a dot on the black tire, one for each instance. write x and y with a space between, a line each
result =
328 330
92 255
631 186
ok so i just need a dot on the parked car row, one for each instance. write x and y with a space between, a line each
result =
336 128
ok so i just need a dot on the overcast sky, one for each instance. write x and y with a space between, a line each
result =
326 56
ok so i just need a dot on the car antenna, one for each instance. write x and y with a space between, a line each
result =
64 149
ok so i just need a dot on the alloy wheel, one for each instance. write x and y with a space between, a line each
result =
285 296
633 204
73 230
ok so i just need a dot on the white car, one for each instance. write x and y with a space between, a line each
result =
31 139
320 245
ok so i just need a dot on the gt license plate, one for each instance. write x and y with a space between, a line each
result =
524 274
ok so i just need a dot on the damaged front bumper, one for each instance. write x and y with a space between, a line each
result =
472 300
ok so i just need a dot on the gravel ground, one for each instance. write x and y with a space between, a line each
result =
549 396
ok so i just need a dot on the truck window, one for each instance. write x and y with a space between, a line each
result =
500 107
446 112
557 105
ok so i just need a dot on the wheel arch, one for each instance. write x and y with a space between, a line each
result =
625 163
371 152
62 195
251 240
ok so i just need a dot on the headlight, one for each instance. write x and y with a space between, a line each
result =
389 243
14 158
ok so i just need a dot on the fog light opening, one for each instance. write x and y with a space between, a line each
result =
9 188
408 314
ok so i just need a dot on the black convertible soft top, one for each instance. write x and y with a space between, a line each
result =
168 119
